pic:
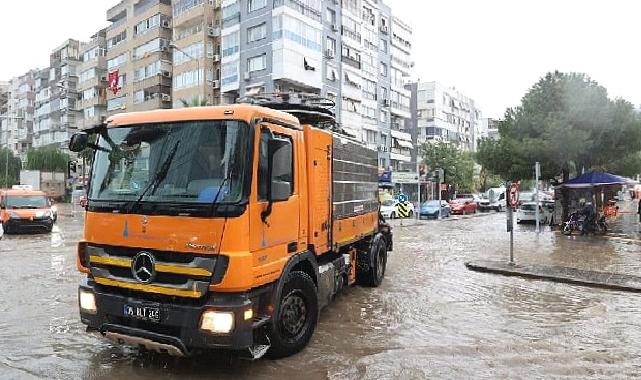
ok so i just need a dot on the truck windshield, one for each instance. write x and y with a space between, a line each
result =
200 161
26 201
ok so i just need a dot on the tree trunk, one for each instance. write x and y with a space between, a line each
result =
565 195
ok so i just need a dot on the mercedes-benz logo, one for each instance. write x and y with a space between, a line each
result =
144 219
143 267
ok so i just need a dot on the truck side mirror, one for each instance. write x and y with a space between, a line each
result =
78 142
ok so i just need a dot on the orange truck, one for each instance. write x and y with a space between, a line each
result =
225 227
24 209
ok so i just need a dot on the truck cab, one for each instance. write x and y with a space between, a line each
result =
218 227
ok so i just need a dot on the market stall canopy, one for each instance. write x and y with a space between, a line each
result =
591 179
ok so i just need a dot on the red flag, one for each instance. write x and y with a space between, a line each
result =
113 81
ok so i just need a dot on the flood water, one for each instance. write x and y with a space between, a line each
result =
431 318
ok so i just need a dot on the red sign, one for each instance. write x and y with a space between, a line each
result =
513 196
113 81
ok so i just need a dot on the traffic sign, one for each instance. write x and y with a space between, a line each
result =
402 198
514 193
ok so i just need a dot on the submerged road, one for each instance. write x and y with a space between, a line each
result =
431 318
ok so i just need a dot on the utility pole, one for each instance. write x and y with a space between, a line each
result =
440 181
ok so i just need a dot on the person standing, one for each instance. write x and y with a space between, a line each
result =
639 210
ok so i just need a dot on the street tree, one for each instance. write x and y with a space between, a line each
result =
47 159
457 165
11 166
566 122
193 102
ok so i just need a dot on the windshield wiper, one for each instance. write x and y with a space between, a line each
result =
215 203
158 178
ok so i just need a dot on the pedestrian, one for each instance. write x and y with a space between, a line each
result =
639 210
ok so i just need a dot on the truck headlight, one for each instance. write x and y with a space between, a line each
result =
88 301
218 322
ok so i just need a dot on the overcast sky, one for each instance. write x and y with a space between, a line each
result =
491 50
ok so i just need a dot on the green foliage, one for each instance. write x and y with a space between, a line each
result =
13 170
458 166
194 102
47 159
567 123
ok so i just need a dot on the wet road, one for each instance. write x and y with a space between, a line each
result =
431 318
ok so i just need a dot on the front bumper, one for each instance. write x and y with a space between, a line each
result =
178 329
44 224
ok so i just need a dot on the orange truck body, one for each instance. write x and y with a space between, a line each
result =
307 232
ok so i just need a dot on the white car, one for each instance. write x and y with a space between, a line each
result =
389 209
527 212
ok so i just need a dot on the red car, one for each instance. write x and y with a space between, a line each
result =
463 206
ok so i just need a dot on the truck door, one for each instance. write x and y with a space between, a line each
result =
274 239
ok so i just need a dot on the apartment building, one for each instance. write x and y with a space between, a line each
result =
490 128
354 52
196 52
445 114
57 112
17 101
139 57
92 81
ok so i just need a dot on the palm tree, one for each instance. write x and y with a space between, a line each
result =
195 102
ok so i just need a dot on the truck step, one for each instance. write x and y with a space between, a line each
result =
260 320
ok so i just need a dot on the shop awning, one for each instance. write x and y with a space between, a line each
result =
591 179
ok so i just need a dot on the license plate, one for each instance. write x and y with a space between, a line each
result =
144 312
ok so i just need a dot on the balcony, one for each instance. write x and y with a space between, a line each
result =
117 10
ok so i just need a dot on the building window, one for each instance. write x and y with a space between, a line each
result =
116 103
330 15
188 79
191 52
229 72
231 15
146 25
257 63
331 44
256 4
286 27
384 46
383 69
118 39
257 32
151 46
231 43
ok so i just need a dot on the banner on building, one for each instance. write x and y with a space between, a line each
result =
114 86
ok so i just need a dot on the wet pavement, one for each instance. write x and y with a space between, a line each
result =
431 318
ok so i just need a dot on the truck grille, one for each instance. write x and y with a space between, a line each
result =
159 272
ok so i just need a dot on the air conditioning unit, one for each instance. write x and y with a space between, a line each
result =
335 27
216 57
386 103
215 84
165 97
213 32
384 29
165 24
210 54
247 75
164 48
166 73
103 78
329 53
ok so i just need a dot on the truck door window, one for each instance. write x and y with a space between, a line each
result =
283 172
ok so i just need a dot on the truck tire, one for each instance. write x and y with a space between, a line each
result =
296 318
373 276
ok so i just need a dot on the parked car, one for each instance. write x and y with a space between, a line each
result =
494 199
389 209
430 209
463 206
527 212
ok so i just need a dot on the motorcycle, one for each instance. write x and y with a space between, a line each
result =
572 224
577 223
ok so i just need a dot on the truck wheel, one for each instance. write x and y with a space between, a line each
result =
293 326
374 275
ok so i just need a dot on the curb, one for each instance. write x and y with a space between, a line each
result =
602 280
